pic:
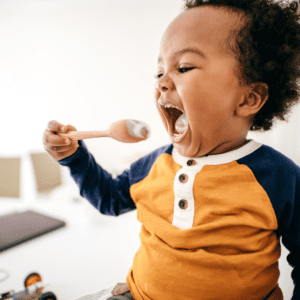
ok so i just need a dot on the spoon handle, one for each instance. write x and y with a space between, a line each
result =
81 135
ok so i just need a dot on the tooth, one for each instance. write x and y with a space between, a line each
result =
160 102
171 106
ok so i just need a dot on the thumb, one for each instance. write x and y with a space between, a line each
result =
55 126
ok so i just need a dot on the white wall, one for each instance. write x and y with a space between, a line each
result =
86 63
89 63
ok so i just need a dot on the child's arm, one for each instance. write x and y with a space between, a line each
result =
108 195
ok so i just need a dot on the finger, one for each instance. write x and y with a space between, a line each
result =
55 126
70 128
49 138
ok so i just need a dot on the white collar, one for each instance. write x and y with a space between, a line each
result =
219 159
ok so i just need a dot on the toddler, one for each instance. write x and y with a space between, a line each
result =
213 205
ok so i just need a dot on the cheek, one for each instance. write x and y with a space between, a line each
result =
191 92
207 108
219 94
223 84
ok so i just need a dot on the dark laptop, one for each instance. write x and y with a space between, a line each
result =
19 227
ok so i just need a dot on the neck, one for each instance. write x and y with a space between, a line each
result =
228 146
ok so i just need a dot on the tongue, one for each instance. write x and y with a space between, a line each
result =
181 124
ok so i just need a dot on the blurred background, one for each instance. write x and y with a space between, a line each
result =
85 63
89 63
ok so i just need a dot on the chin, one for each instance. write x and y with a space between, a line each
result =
190 151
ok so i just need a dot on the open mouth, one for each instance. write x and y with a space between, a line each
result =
177 121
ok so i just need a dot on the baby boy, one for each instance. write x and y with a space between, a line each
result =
213 205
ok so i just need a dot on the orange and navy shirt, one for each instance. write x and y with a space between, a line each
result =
211 226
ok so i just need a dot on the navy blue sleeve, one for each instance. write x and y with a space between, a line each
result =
291 237
108 195
280 178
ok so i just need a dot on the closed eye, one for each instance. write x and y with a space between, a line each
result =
181 70
158 76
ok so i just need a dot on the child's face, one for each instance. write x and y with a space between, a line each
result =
204 86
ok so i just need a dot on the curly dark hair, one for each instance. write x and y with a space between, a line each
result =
267 48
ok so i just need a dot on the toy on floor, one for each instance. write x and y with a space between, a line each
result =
33 290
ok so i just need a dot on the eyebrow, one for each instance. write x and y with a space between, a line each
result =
186 50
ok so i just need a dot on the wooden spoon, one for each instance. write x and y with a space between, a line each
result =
126 131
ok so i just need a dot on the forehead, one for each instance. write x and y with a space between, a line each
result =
204 27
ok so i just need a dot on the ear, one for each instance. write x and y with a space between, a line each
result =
256 96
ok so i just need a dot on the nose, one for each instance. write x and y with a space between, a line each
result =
164 83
